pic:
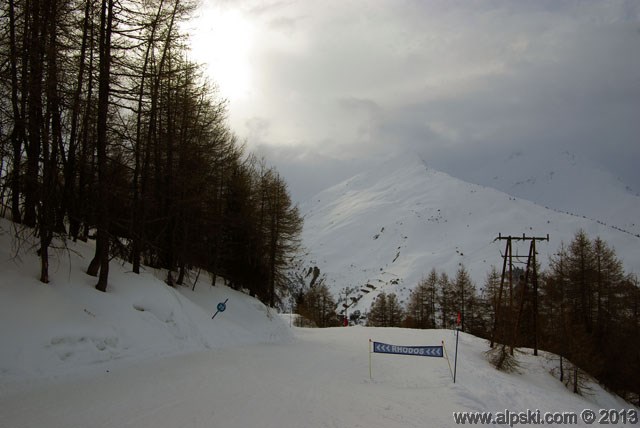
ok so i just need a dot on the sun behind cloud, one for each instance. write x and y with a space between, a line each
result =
222 40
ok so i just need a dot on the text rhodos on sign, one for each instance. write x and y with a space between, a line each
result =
424 351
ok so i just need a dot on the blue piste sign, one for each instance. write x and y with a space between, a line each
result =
420 351
221 307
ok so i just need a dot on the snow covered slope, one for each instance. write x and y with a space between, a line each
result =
563 181
385 228
319 380
67 326
147 355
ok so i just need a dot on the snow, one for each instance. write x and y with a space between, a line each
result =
147 355
319 380
69 327
564 181
391 224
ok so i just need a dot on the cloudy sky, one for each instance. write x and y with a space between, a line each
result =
319 85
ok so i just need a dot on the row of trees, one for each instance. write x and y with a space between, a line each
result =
317 306
108 130
587 311
590 314
434 303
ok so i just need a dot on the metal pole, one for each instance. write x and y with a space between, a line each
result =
222 306
446 355
534 280
370 376
498 307
455 358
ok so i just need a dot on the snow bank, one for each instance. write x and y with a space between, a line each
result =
319 380
67 326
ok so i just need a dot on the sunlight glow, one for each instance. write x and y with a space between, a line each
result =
222 39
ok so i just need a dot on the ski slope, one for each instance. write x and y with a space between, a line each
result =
68 328
319 380
147 355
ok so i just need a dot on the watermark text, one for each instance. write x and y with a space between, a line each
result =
537 417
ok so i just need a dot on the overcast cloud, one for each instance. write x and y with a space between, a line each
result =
456 81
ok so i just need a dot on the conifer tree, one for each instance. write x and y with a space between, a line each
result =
108 129
488 302
317 305
422 303
385 311
378 313
395 312
588 306
445 300
464 295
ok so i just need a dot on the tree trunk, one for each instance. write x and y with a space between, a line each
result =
44 264
70 166
180 279
102 243
34 108
275 232
17 133
50 142
94 264
139 168
80 229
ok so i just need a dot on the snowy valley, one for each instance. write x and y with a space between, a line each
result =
147 355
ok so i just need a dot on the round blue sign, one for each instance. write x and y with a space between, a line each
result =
221 306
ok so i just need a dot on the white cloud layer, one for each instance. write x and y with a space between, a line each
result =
334 81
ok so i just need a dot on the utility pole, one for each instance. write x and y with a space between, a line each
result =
531 273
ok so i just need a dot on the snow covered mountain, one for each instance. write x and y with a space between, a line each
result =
563 181
385 228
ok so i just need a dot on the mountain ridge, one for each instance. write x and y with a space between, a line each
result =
564 181
386 227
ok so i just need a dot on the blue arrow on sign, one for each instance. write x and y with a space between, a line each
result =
420 351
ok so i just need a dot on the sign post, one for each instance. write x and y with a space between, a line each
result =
221 307
370 376
446 355
455 358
